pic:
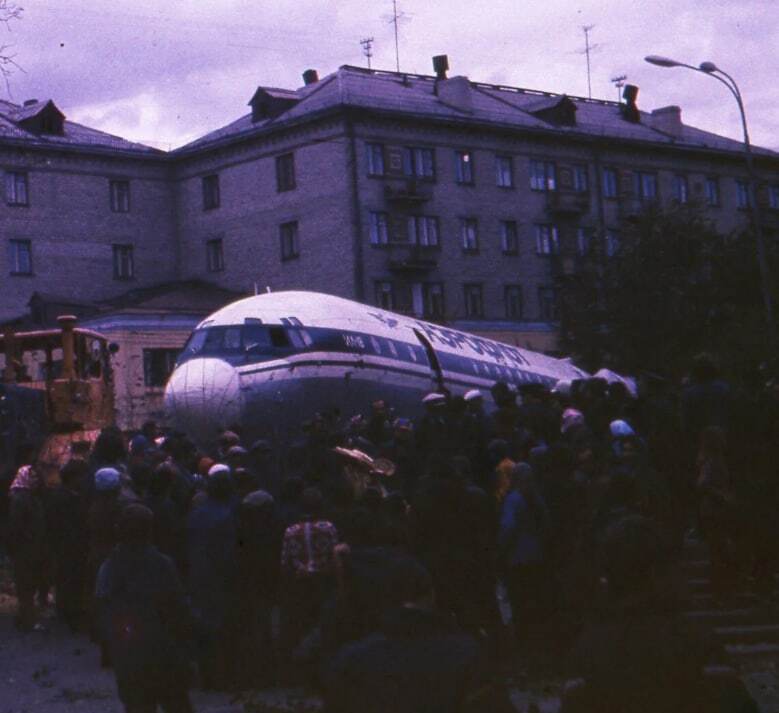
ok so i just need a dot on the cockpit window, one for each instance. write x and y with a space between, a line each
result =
254 339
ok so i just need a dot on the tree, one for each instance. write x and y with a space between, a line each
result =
675 288
9 11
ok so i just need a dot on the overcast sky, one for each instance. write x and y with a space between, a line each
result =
165 72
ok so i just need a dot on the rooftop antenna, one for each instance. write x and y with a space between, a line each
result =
395 19
367 48
619 82
588 49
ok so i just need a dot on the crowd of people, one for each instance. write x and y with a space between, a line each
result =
408 565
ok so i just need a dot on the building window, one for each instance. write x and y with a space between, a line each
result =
612 242
215 261
547 242
120 196
418 162
509 237
285 172
211 192
433 296
646 186
742 194
469 234
583 240
474 301
581 180
773 197
375 155
20 257
680 189
610 186
379 229
542 176
423 230
463 164
547 304
124 268
385 295
16 192
288 233
504 171
512 301
712 191
158 365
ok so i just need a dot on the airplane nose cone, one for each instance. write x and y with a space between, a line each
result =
202 397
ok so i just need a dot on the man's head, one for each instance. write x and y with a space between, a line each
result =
135 525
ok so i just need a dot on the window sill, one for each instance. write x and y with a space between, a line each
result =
510 253
120 212
18 205
22 274
505 188
124 279
470 251
286 190
208 209
465 184
288 258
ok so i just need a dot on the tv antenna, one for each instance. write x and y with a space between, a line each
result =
367 48
587 51
619 82
397 17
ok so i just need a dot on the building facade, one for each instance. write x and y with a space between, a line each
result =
454 200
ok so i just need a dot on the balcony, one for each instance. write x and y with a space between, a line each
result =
408 193
408 258
570 203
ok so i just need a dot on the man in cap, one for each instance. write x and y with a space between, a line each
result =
430 429
476 436
144 618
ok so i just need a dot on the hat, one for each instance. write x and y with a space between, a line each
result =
218 469
261 446
434 398
204 465
473 395
562 387
571 418
228 438
257 499
139 445
107 479
383 467
237 451
621 429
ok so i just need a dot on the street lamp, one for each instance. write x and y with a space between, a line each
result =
711 69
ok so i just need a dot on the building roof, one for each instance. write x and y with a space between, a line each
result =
487 104
13 118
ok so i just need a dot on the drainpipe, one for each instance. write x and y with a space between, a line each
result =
67 322
357 252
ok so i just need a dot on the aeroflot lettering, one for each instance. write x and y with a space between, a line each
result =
456 340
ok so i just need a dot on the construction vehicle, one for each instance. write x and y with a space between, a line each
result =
56 388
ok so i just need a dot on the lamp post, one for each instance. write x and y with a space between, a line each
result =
710 69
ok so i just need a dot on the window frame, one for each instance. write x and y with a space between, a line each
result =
287 230
376 236
773 196
552 239
123 268
170 355
286 179
712 182
474 289
580 176
681 188
505 244
415 164
14 244
378 290
370 155
421 228
584 240
463 167
547 182
469 234
499 174
610 182
517 290
115 195
612 242
427 293
642 180
215 249
211 191
13 179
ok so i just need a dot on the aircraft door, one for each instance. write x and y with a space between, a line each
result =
432 359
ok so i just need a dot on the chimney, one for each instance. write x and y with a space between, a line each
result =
310 76
667 119
629 108
440 66
30 102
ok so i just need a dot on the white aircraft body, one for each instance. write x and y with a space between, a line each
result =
271 361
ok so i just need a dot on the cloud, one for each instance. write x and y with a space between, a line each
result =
166 72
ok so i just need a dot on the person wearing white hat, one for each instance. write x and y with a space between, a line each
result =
473 395
434 399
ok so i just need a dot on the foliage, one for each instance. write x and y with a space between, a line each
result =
9 11
675 288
